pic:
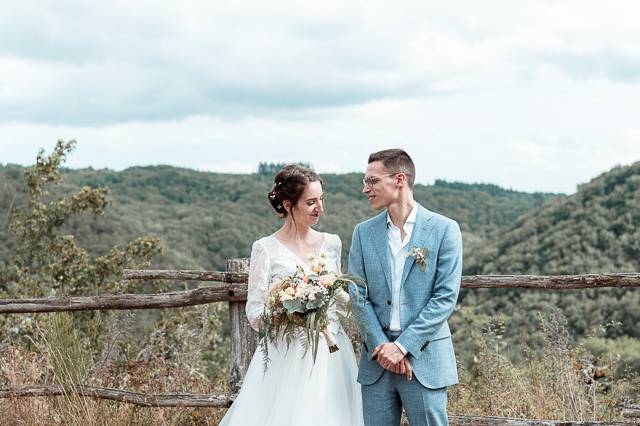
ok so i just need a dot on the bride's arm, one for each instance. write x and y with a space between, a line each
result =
258 291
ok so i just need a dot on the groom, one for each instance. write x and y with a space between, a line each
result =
411 260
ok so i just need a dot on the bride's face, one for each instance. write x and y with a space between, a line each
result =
310 206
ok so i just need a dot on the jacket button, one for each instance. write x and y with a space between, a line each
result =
388 302
385 328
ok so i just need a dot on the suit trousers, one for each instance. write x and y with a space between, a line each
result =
382 402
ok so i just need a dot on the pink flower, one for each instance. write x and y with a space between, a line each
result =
326 280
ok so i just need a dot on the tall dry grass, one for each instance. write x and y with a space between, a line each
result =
20 367
56 357
556 381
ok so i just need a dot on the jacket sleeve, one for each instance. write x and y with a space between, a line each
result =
443 299
372 330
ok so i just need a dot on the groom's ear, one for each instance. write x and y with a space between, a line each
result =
401 178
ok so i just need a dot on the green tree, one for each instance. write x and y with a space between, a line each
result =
270 169
47 261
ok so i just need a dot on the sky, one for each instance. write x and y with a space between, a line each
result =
533 96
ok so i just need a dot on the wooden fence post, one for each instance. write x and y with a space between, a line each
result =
243 339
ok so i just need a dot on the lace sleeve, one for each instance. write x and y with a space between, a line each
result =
342 297
259 275
338 250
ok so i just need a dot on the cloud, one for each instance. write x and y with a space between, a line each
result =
608 63
162 61
83 64
536 96
528 140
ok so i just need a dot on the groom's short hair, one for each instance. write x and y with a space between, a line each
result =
396 161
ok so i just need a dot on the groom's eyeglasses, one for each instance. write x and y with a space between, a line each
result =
372 180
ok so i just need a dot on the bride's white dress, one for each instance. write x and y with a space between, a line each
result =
293 391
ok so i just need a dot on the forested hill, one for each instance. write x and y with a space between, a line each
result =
205 218
595 230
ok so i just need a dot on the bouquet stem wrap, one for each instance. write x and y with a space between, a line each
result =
331 341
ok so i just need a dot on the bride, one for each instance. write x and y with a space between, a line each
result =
294 391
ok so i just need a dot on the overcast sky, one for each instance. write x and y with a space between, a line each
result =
535 96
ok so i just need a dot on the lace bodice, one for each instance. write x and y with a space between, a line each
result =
271 261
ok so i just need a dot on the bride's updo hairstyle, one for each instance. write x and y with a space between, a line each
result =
289 184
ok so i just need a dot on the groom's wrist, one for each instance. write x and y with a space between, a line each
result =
402 348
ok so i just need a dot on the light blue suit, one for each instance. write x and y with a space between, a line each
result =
427 299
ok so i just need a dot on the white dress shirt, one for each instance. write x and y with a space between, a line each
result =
398 255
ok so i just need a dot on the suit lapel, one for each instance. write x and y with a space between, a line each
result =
379 236
421 230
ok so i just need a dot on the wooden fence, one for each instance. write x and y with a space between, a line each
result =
231 286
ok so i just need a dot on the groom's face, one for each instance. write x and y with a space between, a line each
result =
380 188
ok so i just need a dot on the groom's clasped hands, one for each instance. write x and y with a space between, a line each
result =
391 358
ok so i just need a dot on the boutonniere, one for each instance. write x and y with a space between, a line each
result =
420 255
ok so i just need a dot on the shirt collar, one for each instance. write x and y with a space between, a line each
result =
410 219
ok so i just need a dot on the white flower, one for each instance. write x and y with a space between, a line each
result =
420 254
285 296
317 267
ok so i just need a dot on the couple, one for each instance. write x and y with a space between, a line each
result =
411 261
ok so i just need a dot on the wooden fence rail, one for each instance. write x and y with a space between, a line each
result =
506 421
200 400
198 296
552 282
631 411
135 398
231 286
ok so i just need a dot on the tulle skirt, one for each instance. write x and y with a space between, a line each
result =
293 391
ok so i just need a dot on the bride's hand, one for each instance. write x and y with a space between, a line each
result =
342 302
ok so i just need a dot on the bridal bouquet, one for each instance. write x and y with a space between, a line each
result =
300 303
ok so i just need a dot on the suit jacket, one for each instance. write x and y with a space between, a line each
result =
427 298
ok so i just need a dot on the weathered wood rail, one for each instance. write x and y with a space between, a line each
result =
195 400
231 286
552 282
199 296
506 421
631 411
136 398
